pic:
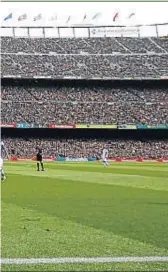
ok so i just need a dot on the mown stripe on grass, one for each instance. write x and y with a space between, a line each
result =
84 260
134 181
112 169
71 238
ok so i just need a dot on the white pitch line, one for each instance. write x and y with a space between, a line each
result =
84 260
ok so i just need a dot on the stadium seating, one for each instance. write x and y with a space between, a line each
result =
85 148
94 105
85 58
104 58
88 45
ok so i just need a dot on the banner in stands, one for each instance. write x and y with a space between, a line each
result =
32 125
91 159
114 32
164 77
96 126
127 127
32 159
60 159
138 160
82 126
158 126
140 126
13 125
61 126
76 159
63 159
161 126
25 125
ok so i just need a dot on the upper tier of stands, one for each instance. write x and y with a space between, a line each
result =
121 57
105 45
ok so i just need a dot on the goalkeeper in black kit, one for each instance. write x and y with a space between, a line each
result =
39 158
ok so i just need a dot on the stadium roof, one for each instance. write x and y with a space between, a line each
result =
82 13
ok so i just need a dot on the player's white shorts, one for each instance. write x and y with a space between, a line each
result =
104 159
1 163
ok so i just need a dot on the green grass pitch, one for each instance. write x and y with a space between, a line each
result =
85 210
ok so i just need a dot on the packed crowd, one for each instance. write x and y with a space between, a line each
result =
83 94
105 45
85 58
85 148
85 66
87 105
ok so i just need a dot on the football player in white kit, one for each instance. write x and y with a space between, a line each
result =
2 147
105 157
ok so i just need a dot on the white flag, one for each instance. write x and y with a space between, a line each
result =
97 15
54 17
38 17
69 18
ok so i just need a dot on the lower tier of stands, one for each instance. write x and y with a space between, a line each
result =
87 148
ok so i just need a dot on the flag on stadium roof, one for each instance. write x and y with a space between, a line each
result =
97 15
115 17
8 17
22 17
84 17
54 17
38 17
69 18
131 15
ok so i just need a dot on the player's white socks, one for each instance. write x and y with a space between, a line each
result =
2 175
106 164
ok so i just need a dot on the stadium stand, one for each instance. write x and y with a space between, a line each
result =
122 45
84 148
63 105
85 58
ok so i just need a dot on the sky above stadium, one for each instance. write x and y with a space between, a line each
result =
67 13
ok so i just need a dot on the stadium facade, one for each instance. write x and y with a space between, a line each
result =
85 31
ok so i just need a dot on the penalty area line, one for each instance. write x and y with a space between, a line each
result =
19 261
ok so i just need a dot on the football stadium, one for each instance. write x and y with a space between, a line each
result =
84 141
